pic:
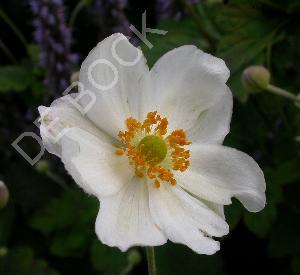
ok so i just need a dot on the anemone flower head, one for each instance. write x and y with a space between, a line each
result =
149 147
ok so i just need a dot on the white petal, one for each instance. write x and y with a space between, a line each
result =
60 116
93 163
213 124
187 82
124 219
217 173
186 220
117 85
217 208
50 144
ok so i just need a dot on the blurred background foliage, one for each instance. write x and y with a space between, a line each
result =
47 227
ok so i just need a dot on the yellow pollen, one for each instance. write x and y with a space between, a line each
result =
147 147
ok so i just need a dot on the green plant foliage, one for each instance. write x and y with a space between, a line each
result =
7 217
261 223
68 221
47 230
285 238
14 78
108 260
234 213
247 40
177 35
21 260
21 77
287 172
296 265
170 261
21 188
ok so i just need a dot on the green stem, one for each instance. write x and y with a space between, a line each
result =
283 93
57 180
151 260
12 25
127 269
8 53
80 5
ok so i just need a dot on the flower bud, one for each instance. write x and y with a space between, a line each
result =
256 78
134 257
3 251
74 77
4 195
42 166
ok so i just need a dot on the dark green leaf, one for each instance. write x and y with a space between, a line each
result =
14 78
233 214
285 237
296 265
179 34
7 216
21 260
247 35
108 260
261 223
174 259
68 221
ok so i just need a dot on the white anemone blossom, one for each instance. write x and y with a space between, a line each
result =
150 146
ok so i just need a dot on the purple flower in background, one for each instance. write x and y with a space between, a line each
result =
164 8
118 14
170 8
111 16
54 39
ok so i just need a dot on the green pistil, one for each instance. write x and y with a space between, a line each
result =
153 148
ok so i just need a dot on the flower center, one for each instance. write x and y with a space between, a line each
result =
152 153
153 148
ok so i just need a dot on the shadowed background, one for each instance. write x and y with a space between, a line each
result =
47 227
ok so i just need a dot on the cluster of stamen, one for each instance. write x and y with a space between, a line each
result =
147 148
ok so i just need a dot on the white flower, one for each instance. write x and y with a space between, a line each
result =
150 146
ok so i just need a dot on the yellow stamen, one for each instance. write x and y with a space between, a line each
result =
149 153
